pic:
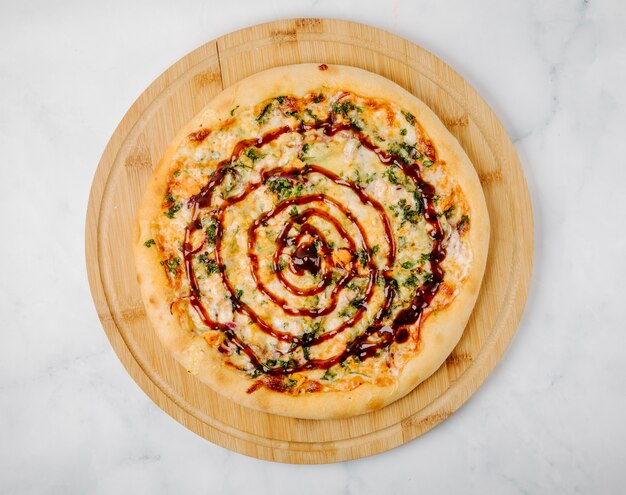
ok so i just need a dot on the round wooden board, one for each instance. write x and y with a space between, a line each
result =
172 100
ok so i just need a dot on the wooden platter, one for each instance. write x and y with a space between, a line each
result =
177 95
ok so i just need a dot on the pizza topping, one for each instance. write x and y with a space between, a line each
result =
297 209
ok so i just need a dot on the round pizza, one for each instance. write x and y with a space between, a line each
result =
312 243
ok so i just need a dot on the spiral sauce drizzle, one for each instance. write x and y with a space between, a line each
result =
315 255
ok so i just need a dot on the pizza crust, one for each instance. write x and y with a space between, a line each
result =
439 333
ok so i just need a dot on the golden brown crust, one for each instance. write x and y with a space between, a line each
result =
438 334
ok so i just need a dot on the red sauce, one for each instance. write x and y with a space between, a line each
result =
310 252
323 67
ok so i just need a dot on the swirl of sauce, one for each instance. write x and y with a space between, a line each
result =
310 252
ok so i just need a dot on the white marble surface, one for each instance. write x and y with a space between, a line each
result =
550 418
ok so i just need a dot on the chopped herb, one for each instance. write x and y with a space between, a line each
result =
403 132
171 212
357 302
211 232
290 382
270 363
407 265
306 352
298 190
428 277
464 220
374 249
393 283
427 163
280 99
356 122
172 264
263 113
369 178
390 173
293 212
232 112
239 294
448 211
424 258
312 332
318 98
362 256
405 151
344 108
282 187
312 115
177 173
410 118
411 281
329 375
149 243
281 265
409 214
305 149
253 154
210 265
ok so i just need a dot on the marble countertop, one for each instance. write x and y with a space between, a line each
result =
549 419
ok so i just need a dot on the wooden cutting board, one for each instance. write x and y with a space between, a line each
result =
177 95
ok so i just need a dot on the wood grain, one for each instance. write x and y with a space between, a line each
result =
172 100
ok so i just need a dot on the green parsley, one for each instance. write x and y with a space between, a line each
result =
407 265
390 173
149 243
405 151
318 98
362 256
312 115
411 281
211 232
357 302
306 147
427 163
254 154
464 221
448 211
210 265
172 264
171 212
290 382
402 132
281 265
282 187
329 375
409 214
410 118
263 115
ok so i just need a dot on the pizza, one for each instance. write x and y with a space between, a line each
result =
312 243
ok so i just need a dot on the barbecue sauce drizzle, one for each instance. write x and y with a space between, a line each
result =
315 257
